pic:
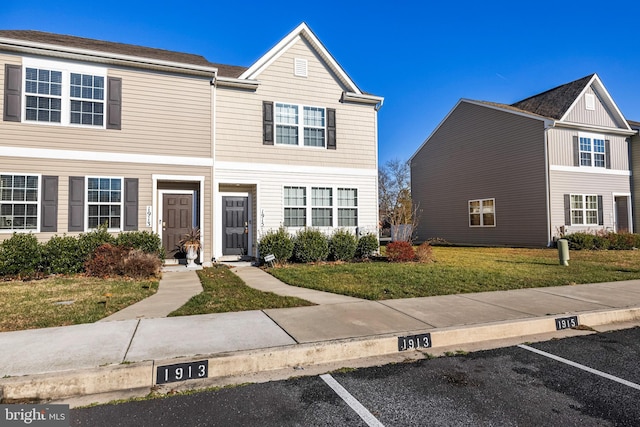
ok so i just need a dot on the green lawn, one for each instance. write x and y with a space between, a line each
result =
461 270
37 303
225 292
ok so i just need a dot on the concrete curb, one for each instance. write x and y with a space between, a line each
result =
141 375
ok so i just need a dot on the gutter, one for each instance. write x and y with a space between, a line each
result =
237 83
77 54
363 99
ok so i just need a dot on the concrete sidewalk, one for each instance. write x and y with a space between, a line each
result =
56 363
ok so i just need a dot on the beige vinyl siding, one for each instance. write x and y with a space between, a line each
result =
598 117
561 148
562 183
482 153
63 169
161 114
239 116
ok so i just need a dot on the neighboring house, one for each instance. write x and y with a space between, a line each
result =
96 132
526 173
635 177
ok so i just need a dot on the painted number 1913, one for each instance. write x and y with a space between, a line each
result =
182 372
413 342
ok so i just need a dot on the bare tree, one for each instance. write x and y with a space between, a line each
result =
394 199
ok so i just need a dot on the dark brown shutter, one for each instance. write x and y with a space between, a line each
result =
576 151
600 211
49 204
267 122
76 203
607 154
130 204
567 209
114 103
331 128
12 92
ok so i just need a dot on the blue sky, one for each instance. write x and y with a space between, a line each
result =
422 56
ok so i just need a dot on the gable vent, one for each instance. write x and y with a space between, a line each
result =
300 67
590 101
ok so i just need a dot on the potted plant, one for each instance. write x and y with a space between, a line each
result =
190 244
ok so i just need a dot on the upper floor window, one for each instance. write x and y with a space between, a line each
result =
19 196
482 213
293 128
592 152
64 93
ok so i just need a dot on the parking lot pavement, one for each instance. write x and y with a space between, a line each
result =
588 380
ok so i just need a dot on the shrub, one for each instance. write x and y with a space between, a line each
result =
367 246
424 253
107 260
20 255
143 240
581 241
277 243
89 242
342 245
310 245
141 265
60 256
400 252
621 241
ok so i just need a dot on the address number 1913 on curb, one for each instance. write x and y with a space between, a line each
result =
182 372
413 342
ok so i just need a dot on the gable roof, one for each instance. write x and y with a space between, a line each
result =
555 102
301 31
62 43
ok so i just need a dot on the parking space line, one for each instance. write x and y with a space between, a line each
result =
579 366
363 412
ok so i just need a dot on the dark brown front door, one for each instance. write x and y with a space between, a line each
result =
177 219
235 226
622 214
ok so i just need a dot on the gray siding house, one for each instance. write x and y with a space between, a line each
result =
526 173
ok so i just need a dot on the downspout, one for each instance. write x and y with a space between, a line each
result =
377 108
214 111
547 186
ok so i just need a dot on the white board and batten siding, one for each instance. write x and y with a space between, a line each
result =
598 115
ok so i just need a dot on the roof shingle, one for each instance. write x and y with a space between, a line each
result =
120 49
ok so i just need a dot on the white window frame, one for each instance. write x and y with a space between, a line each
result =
66 68
592 153
310 206
36 203
286 206
300 125
342 207
316 208
481 212
584 209
87 203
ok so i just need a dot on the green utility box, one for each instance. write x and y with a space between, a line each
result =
563 251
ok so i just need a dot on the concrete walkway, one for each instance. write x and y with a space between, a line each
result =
174 290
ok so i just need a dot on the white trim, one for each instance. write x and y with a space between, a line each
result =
300 110
86 202
289 40
66 68
629 211
601 90
481 213
594 128
157 202
584 210
292 169
589 169
335 206
38 204
96 156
